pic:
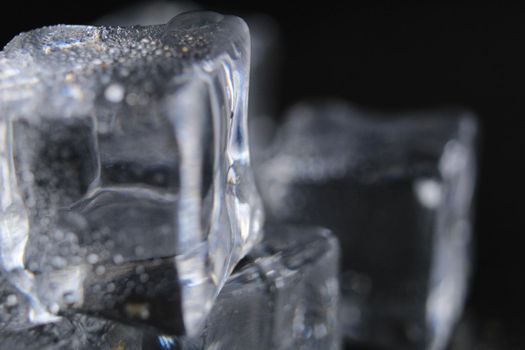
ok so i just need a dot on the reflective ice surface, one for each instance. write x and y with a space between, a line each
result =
283 295
265 59
397 191
122 149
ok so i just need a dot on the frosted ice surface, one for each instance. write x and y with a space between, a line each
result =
397 191
78 332
265 60
122 148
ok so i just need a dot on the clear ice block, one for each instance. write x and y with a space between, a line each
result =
265 59
283 295
397 191
121 149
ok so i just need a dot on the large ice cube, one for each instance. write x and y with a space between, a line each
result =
397 191
120 148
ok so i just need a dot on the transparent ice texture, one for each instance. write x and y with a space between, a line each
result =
397 191
122 148
265 59
283 295
78 332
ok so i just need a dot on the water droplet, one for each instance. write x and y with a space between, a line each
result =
58 262
11 300
144 278
118 259
92 258
428 192
100 270
114 93
132 99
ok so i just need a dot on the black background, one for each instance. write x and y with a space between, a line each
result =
393 57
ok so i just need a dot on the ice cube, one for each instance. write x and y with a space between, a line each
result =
396 190
121 147
284 295
265 59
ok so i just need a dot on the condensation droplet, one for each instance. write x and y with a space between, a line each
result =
92 258
428 192
11 300
114 93
58 262
100 270
118 259
144 278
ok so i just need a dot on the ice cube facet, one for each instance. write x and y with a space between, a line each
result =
121 148
265 59
396 190
284 295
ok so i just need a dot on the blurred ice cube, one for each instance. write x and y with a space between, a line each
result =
397 191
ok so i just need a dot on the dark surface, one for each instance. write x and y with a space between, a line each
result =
395 56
